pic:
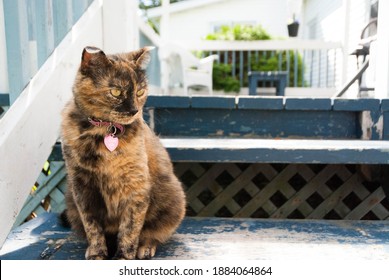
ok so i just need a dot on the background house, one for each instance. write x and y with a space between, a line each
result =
339 21
194 19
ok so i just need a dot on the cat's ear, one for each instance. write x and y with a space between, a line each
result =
93 55
142 57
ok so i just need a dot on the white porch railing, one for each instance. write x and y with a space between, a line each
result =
310 63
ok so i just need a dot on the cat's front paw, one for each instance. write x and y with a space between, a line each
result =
92 253
125 253
146 252
97 257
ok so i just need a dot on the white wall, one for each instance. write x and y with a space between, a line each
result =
382 47
329 20
323 20
196 23
358 18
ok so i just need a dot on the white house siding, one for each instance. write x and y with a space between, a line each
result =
196 23
323 20
358 18
329 20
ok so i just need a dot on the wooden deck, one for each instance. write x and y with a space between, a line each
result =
219 238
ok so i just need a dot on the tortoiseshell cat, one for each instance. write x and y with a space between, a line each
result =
122 193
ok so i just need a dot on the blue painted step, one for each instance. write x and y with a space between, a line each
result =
220 238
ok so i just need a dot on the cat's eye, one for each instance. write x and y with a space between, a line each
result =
139 93
116 92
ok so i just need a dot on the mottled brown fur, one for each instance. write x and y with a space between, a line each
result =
128 201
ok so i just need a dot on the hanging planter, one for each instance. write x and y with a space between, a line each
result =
293 27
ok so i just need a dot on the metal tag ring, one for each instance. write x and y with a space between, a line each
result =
111 129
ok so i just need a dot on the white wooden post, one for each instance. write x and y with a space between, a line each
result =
345 47
382 67
164 32
120 27
164 27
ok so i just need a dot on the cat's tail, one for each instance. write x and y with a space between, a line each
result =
63 219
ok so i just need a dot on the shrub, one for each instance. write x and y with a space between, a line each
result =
222 79
240 32
279 60
276 61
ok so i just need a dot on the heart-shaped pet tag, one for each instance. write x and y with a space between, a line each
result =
111 142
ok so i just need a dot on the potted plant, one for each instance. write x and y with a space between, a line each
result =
293 27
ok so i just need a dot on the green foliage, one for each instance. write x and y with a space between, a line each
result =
148 4
284 60
153 25
259 61
240 32
222 79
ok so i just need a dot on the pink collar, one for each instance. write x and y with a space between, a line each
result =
112 128
110 140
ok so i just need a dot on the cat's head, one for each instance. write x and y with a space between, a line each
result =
112 87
